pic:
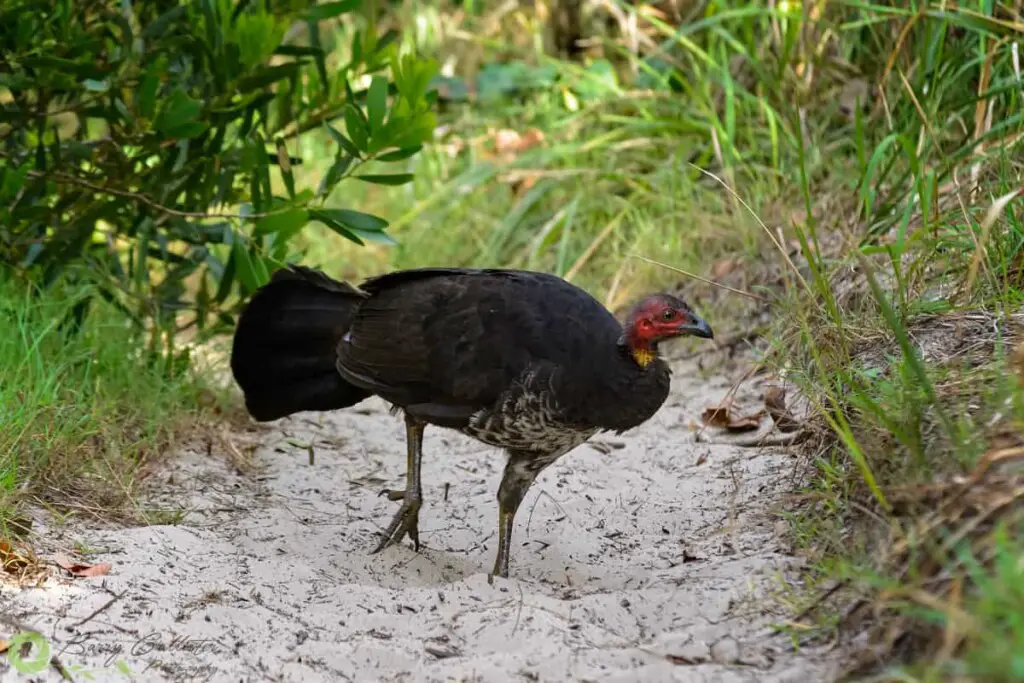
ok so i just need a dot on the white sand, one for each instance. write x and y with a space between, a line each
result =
653 558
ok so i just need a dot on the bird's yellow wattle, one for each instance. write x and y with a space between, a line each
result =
644 357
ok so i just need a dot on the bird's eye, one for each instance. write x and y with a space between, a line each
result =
668 314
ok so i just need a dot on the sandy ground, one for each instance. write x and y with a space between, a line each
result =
645 557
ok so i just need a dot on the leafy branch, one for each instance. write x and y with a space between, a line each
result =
122 125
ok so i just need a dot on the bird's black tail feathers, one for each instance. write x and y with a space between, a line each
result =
284 349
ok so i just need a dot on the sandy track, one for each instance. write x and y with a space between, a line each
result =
644 557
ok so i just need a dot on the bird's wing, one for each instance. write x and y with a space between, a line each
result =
449 341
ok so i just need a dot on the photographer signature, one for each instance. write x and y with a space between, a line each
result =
87 645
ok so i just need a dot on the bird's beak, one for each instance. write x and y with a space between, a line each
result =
697 327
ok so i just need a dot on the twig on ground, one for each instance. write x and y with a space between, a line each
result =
104 607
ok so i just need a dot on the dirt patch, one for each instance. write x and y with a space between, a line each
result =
649 556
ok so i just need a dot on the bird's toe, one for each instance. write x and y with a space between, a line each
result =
392 494
405 523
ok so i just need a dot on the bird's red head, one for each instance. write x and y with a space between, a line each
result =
656 318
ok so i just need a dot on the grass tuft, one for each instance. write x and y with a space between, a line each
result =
84 414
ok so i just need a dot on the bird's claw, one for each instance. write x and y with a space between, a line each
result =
405 522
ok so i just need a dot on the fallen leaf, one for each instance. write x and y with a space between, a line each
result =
4 646
717 416
721 417
775 403
510 143
523 183
10 559
81 569
722 267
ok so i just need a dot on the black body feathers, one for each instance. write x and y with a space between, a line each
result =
510 357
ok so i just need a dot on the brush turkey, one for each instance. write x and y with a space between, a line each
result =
519 360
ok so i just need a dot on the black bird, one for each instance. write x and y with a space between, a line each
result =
519 360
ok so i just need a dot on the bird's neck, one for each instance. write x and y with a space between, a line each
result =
642 351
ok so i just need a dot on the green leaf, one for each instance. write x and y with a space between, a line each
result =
351 219
375 237
192 129
177 117
251 270
376 103
298 51
156 27
145 96
387 179
343 141
313 30
329 10
400 154
227 278
334 174
256 162
412 75
356 127
284 162
325 217
352 225
243 264
285 223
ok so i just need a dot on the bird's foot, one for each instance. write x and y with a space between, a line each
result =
405 521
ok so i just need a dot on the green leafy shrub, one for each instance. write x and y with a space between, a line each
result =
137 141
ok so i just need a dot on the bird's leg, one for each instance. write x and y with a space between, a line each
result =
406 520
520 471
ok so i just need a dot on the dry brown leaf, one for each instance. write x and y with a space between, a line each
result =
775 403
81 569
716 416
746 423
10 559
5 645
510 143
723 267
721 417
524 183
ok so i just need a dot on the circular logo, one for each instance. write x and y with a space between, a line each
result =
39 655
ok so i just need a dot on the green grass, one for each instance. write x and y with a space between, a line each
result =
892 306
81 413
